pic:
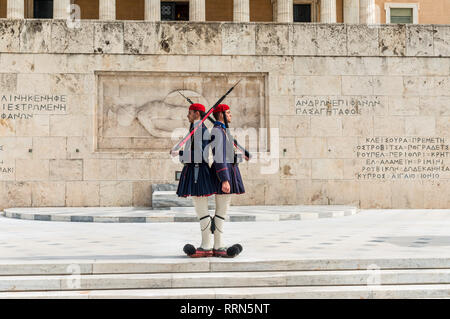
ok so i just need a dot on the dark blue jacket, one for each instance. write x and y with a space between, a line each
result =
196 181
223 167
196 146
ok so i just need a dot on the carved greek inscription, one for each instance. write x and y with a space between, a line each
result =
404 158
24 106
345 106
6 171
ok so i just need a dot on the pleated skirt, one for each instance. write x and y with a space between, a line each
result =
188 187
236 183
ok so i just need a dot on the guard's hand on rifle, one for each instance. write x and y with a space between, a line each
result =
174 153
226 187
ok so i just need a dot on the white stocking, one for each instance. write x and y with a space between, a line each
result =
201 208
222 205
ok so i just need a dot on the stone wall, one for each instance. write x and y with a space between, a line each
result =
340 95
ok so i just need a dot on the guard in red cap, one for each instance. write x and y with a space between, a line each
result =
196 181
226 177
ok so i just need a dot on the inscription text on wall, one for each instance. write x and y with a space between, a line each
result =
24 106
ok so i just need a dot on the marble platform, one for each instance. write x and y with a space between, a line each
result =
372 254
175 214
167 199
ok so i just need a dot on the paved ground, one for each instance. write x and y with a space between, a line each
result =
368 234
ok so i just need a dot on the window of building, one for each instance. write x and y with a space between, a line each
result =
128 9
175 11
2 9
302 12
402 12
401 15
262 10
305 10
219 10
43 9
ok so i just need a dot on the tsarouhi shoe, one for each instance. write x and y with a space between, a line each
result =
221 252
199 252
229 252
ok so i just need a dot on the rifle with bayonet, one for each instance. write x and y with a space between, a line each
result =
199 124
246 153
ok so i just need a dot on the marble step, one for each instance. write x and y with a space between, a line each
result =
224 279
164 199
192 265
318 292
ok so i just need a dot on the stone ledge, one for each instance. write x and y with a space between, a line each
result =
164 199
224 38
326 292
203 265
311 278
175 214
